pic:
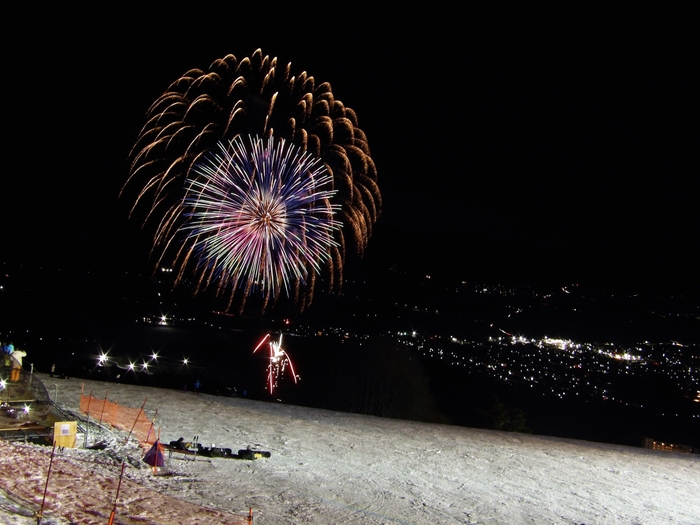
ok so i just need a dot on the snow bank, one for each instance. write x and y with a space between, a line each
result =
334 468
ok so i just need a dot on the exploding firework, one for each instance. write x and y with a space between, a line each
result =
259 218
279 360
176 171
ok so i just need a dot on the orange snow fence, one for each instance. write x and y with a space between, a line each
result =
132 420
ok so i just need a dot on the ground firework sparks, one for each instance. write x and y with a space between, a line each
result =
223 105
260 215
279 360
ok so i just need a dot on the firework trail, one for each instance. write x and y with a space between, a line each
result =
205 117
279 360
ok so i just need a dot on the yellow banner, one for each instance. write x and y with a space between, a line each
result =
64 433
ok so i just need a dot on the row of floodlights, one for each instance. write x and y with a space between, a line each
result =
104 358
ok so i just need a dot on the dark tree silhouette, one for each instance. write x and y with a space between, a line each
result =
381 379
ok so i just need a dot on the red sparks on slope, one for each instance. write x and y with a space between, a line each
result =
279 360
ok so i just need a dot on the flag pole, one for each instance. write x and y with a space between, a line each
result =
119 486
136 420
40 514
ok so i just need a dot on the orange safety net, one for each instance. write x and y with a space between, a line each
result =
133 420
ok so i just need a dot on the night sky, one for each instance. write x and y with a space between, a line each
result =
567 136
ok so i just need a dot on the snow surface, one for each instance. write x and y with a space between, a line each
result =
336 468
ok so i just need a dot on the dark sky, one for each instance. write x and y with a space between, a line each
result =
572 135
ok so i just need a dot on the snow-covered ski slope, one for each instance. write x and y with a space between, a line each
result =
336 468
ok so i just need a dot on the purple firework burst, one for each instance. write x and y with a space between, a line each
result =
255 95
259 217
